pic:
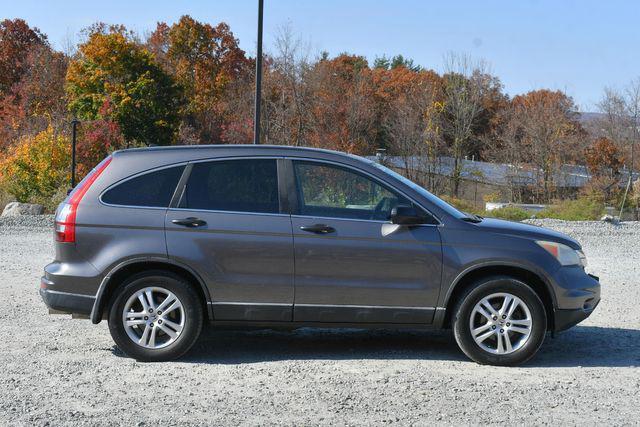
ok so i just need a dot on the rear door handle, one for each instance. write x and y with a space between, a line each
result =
318 229
190 222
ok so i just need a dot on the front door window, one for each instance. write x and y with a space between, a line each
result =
335 192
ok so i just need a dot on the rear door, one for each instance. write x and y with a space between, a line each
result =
351 264
231 226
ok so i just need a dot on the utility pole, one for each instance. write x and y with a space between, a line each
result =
634 136
74 132
256 116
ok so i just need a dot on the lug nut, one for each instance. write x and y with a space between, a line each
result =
504 316
508 324
502 331
151 310
495 317
493 327
159 322
159 312
146 317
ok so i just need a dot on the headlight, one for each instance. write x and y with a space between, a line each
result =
563 253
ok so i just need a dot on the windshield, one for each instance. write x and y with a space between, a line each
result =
433 199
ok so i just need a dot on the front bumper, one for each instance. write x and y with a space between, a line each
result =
578 296
565 319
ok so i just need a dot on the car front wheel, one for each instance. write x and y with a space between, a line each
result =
156 316
500 321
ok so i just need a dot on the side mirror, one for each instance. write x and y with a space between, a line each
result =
406 215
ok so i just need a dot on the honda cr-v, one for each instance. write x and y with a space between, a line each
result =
161 241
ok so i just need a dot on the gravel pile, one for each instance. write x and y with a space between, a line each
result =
9 224
58 371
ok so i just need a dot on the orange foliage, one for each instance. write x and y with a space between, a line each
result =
344 110
16 41
603 157
203 59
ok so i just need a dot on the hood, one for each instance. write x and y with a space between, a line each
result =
526 230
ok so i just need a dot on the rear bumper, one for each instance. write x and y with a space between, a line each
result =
67 302
62 290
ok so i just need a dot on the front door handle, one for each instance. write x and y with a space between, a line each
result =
190 222
318 229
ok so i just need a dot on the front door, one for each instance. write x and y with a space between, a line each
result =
229 227
351 265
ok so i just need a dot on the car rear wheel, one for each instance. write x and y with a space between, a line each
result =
157 316
500 321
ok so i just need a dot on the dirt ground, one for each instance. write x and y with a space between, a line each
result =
56 371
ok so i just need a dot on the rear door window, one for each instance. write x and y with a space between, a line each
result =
243 185
153 189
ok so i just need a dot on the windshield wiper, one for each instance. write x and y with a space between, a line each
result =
472 218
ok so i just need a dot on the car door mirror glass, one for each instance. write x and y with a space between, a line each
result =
407 215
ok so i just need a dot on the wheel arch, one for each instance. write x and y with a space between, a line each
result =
117 275
467 278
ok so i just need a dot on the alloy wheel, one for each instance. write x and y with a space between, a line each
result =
153 317
500 323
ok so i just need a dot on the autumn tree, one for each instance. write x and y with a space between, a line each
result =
32 75
239 103
96 140
621 118
344 114
503 145
604 161
603 157
549 132
16 41
410 104
204 60
287 92
37 168
462 110
37 99
112 68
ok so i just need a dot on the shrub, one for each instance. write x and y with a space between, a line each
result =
97 140
36 168
508 212
462 205
581 209
493 197
511 213
5 198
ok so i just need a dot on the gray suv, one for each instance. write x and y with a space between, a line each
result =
160 240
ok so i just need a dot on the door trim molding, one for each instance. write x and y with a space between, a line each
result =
252 311
278 304
363 314
372 307
266 304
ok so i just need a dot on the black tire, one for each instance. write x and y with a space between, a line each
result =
486 287
192 309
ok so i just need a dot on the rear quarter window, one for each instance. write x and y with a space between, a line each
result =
152 189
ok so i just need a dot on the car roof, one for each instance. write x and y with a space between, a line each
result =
221 147
179 153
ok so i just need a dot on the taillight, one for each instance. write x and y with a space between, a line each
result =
66 216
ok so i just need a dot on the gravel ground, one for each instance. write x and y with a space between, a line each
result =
58 371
